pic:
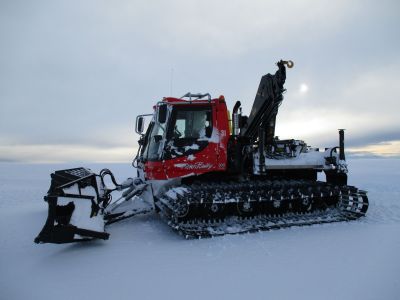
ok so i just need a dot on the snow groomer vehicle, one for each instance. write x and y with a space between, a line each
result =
207 172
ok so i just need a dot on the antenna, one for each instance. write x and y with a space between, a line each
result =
171 82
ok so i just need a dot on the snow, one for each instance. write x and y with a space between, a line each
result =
191 157
307 159
174 192
215 136
192 147
145 259
83 208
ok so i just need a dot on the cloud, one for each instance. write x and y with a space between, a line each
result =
367 106
63 152
385 149
77 73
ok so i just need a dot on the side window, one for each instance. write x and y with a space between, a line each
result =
180 128
192 124
189 131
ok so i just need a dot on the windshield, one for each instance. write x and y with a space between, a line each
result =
154 141
189 130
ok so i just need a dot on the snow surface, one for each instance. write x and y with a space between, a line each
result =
144 259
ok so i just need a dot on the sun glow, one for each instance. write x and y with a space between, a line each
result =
303 88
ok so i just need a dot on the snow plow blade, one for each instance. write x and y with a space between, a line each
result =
75 200
80 205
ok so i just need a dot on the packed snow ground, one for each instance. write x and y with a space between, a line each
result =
144 259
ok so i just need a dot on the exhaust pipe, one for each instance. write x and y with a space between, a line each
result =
341 144
235 119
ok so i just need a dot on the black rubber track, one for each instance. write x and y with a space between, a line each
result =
212 209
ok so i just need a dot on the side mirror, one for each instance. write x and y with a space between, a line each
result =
162 113
139 124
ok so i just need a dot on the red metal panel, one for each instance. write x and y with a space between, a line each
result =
212 158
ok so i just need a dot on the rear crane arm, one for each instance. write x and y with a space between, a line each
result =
265 107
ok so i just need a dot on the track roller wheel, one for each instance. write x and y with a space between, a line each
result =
214 210
182 210
245 208
306 204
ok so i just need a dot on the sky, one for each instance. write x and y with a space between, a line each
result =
74 74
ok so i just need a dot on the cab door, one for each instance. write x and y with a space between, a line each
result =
191 147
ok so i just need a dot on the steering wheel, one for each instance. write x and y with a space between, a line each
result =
177 133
